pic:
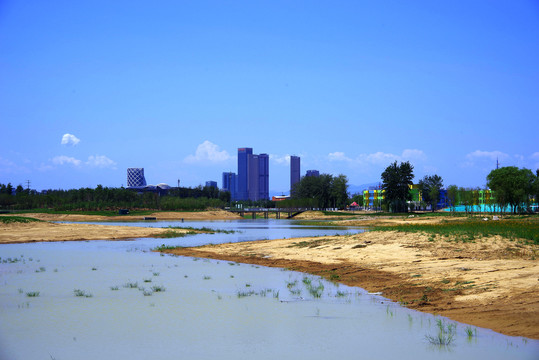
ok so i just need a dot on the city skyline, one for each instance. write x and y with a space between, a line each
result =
89 90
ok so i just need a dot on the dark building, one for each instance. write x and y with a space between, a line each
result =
295 172
253 175
211 184
243 193
230 184
315 173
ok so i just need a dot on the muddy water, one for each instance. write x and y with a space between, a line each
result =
208 309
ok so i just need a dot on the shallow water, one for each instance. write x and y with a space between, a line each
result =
203 312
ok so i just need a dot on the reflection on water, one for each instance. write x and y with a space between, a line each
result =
145 306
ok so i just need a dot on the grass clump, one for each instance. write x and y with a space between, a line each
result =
158 288
17 219
445 335
471 229
32 294
81 293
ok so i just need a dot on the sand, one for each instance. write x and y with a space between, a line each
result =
492 283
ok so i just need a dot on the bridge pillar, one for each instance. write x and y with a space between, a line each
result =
266 215
254 214
278 215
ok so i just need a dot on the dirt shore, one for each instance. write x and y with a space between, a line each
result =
45 231
161 215
492 283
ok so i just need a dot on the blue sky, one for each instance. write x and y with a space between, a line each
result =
90 88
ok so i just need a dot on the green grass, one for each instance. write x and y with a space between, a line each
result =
445 336
32 294
173 232
16 219
310 244
158 288
81 293
467 231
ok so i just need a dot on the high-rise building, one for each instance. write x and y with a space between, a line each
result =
135 177
295 172
211 184
230 184
253 175
243 193
263 177
315 173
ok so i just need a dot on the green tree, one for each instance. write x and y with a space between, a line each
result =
358 198
452 196
430 187
339 191
396 181
512 186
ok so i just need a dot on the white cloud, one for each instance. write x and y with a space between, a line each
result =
492 155
62 159
100 161
378 158
280 160
207 151
338 156
480 157
70 139
413 154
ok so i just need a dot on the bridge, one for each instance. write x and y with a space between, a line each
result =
290 213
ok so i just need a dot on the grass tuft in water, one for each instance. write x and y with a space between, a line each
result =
445 336
158 288
81 293
32 294
131 285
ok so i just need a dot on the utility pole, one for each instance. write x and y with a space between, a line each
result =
28 185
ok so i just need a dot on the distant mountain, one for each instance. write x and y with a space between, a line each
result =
354 189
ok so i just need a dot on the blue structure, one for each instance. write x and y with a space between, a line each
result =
253 175
135 177
211 184
295 172
315 173
243 154
230 184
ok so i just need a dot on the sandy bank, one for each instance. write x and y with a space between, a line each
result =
491 283
171 215
45 231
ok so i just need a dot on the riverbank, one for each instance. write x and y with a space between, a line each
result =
491 283
45 231
216 214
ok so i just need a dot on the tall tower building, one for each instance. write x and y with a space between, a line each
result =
295 173
135 177
263 177
243 153
230 184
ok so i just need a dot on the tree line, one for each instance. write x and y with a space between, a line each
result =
107 198
321 192
510 187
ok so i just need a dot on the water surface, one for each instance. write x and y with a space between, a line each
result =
209 309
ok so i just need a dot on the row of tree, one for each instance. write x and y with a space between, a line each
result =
105 198
324 191
510 186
